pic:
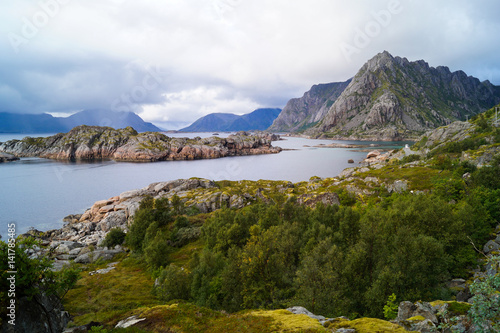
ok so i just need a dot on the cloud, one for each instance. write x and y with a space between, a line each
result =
173 61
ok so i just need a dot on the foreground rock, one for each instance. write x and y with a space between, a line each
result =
42 313
94 143
428 317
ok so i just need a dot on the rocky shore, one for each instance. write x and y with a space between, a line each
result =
94 143
4 157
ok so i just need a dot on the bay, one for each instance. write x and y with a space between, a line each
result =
39 193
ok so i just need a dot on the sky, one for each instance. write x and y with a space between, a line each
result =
173 61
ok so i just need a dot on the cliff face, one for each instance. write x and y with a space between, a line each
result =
304 112
391 98
93 143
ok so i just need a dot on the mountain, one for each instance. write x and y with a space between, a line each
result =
211 122
45 123
391 98
307 111
29 123
259 119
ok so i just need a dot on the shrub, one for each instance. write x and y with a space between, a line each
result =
410 158
174 283
391 308
485 309
115 236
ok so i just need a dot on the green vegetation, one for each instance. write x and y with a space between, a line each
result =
115 236
334 260
106 297
367 325
237 269
34 275
391 308
485 310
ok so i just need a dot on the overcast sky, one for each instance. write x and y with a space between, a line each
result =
173 61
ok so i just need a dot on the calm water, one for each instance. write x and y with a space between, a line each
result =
38 192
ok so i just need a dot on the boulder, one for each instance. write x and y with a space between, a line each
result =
112 220
491 246
92 256
310 200
303 310
4 157
373 154
130 321
63 247
45 314
398 186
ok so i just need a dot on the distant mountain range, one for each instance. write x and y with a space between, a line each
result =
259 119
45 123
390 98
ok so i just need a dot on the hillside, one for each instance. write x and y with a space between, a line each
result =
257 120
391 98
233 255
45 123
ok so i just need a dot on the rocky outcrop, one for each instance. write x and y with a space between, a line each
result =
304 112
4 157
41 313
94 143
427 317
391 98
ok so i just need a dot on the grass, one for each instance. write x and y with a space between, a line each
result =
181 256
105 297
419 177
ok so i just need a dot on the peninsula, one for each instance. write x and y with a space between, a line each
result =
88 143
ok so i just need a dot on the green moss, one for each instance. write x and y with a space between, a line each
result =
416 318
185 317
285 321
454 308
367 325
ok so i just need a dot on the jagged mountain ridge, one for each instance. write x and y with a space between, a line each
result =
391 98
45 123
304 112
259 119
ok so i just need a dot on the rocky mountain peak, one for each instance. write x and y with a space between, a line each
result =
393 98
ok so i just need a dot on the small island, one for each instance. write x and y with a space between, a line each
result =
89 143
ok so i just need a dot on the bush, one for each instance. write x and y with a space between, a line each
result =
410 158
391 308
485 309
115 236
174 283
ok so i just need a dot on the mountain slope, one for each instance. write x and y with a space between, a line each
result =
45 123
211 122
103 117
392 98
29 123
304 112
259 119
